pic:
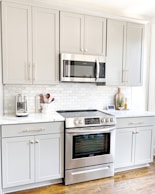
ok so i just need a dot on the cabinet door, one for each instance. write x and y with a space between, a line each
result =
144 145
16 40
134 51
115 52
125 140
95 35
45 46
71 32
49 157
17 161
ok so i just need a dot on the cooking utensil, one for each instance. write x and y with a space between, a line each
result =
52 100
47 97
42 98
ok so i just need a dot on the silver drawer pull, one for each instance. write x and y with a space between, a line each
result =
37 141
33 130
136 123
31 142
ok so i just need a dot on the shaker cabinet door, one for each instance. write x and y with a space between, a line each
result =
125 142
144 146
115 52
49 157
134 54
45 46
16 40
71 32
95 35
17 161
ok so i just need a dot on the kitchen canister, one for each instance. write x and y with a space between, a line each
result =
45 108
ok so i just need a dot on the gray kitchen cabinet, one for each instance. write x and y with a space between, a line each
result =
115 52
32 153
30 37
124 60
124 147
133 70
134 143
82 34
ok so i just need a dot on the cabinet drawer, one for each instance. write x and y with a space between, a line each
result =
135 122
32 129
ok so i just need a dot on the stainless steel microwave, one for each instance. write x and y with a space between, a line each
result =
82 68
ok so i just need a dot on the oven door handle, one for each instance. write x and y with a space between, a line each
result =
90 170
80 131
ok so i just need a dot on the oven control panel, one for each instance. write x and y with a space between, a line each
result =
87 118
92 121
82 122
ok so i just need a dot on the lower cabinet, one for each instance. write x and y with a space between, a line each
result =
32 158
134 146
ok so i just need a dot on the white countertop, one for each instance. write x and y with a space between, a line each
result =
130 113
31 118
55 117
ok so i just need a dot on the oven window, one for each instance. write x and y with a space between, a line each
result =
91 145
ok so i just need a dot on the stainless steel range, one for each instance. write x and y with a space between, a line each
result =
89 145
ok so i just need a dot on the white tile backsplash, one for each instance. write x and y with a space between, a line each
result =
67 96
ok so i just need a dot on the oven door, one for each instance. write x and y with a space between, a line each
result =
89 146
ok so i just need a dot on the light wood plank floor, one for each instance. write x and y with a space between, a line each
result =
139 181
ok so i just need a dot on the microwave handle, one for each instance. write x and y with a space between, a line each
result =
97 69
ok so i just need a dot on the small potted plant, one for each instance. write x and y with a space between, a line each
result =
120 103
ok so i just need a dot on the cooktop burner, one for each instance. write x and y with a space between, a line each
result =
81 113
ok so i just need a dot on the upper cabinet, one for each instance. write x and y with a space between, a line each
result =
124 53
30 44
134 54
82 34
30 49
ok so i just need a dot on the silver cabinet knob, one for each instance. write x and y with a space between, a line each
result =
31 142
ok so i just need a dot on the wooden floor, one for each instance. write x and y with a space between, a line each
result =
139 181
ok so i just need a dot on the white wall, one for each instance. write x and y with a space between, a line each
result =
152 69
151 102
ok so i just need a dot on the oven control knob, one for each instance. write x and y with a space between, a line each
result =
102 120
107 120
76 122
111 120
80 122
